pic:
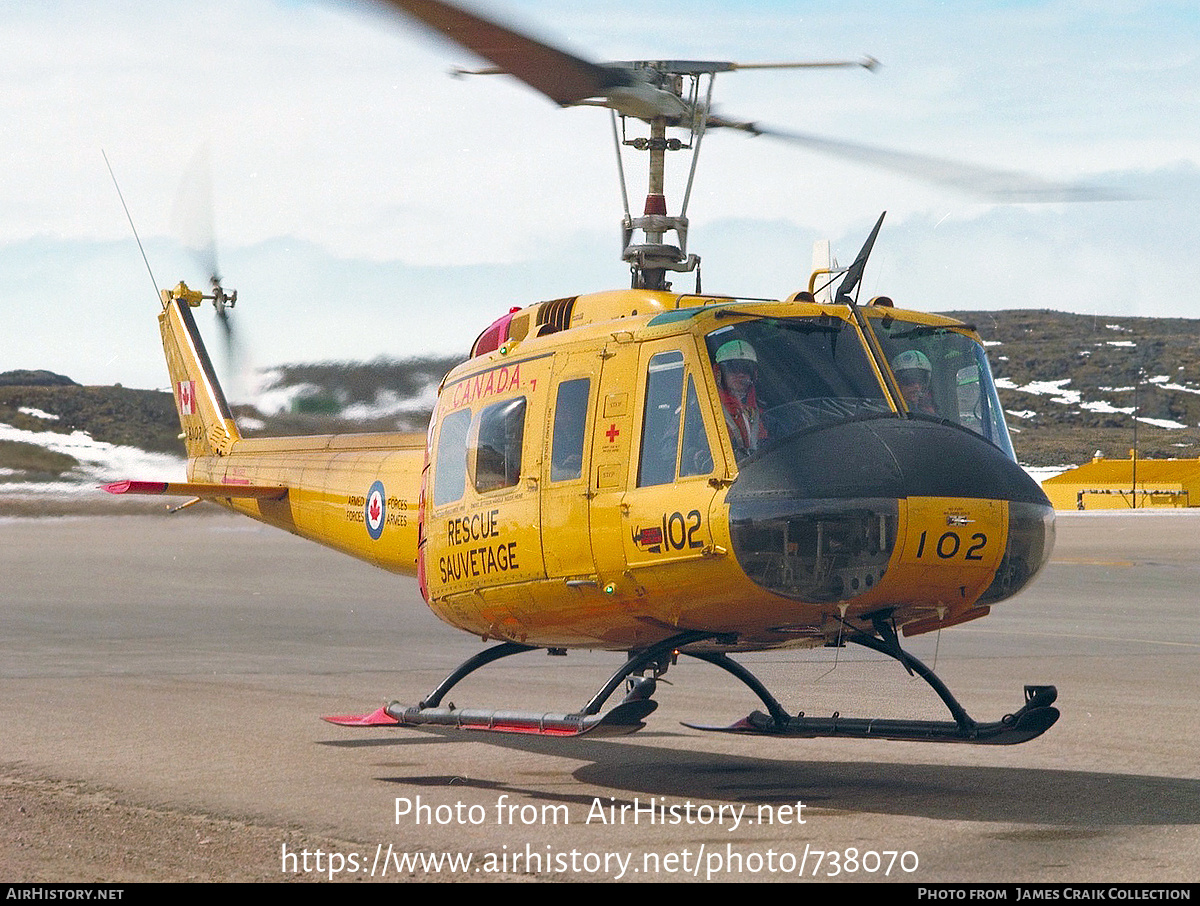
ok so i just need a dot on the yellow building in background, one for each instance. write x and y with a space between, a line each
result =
1122 484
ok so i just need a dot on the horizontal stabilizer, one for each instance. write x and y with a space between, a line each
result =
196 489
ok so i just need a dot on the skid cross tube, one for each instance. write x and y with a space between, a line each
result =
887 642
639 660
469 666
728 664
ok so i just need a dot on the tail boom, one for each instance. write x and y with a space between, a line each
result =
356 493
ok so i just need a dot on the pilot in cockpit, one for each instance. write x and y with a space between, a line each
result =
914 374
737 376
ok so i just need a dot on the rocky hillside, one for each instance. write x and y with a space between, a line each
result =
1071 383
59 440
136 418
384 395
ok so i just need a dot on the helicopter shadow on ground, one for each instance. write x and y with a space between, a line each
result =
1071 798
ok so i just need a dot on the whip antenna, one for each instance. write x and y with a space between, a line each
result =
129 216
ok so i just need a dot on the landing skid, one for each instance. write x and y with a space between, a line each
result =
1033 719
621 720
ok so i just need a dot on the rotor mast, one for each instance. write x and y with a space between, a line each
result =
651 260
664 94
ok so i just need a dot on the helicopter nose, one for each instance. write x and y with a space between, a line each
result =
819 517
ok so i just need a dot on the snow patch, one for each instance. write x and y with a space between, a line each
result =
37 413
1056 390
389 403
99 462
282 399
1162 423
1106 408
1041 473
1180 387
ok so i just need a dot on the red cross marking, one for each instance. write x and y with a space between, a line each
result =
612 433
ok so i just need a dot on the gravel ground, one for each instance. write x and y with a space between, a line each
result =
61 832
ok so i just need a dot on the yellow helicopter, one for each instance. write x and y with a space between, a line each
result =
664 473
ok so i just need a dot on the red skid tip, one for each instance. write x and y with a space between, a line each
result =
135 487
378 718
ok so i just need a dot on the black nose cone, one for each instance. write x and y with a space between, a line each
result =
816 517
885 457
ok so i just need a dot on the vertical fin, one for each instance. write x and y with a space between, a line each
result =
208 425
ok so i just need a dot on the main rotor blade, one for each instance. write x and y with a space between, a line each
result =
568 80
868 63
561 76
706 67
1009 186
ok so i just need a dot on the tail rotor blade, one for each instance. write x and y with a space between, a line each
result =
192 217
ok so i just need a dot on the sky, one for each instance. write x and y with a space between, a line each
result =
366 204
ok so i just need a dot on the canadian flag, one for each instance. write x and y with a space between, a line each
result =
187 397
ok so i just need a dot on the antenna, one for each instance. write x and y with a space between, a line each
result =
129 216
855 271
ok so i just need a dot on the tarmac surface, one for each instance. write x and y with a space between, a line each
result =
162 680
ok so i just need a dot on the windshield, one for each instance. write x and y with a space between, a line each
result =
943 374
780 376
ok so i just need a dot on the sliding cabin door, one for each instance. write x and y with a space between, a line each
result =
566 486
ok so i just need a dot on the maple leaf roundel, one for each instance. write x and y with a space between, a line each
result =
374 510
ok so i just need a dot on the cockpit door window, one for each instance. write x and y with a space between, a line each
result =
943 373
660 423
696 456
778 377
570 429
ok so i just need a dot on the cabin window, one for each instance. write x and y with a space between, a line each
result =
570 428
498 445
943 374
779 377
696 458
450 467
660 422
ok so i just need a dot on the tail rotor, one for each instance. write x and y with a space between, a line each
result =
194 225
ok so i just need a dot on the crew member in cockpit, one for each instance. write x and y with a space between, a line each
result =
737 375
914 374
